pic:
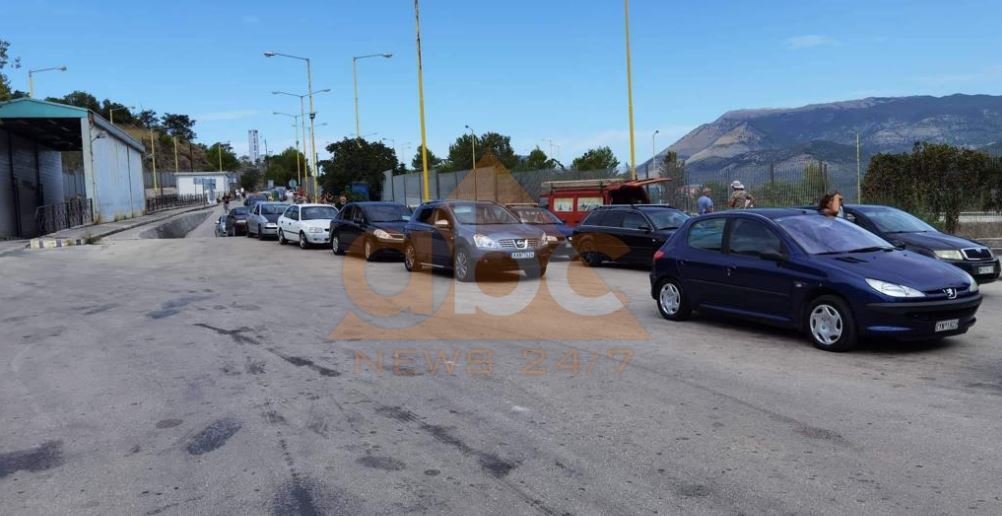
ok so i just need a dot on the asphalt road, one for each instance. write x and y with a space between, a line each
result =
199 376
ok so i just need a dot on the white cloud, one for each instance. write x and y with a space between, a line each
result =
810 41
224 115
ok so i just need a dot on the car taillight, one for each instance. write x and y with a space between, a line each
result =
659 254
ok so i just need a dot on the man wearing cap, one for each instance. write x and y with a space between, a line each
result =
704 204
740 199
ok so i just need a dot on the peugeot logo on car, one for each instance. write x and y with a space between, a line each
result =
951 293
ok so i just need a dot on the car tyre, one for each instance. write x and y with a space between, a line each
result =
589 256
281 238
830 324
672 301
336 244
534 272
411 262
463 266
303 244
260 233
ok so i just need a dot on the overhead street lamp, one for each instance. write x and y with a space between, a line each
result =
354 79
654 153
302 115
313 113
111 112
629 95
31 78
295 129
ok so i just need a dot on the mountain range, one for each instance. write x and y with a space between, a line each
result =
748 141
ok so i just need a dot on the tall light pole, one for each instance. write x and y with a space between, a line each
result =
111 113
354 79
473 147
426 195
313 113
654 153
295 129
31 78
859 186
629 94
302 115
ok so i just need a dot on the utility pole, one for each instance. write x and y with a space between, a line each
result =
426 195
629 95
859 189
153 155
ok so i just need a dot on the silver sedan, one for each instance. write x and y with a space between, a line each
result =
263 219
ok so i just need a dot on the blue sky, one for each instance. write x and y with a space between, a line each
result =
540 71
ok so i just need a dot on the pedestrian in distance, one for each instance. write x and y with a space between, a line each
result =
341 201
831 205
740 198
226 203
705 204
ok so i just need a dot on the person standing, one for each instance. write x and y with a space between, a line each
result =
831 205
740 198
704 204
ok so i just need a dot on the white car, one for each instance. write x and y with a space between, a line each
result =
307 224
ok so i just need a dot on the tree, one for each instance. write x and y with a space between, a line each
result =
461 151
180 126
249 179
600 158
536 160
357 159
283 166
224 152
79 99
433 160
147 118
15 63
122 113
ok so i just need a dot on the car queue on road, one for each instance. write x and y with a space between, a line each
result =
872 271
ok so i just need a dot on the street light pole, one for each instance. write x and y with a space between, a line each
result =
629 94
654 154
313 115
354 79
295 130
426 195
473 167
31 78
111 113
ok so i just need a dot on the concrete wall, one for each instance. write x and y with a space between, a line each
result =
116 182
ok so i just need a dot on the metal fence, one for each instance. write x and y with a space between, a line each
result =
484 184
54 217
171 201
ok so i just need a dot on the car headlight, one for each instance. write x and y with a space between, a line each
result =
382 235
552 239
544 240
893 289
974 283
485 242
949 254
315 230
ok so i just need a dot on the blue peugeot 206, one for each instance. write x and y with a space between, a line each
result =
823 275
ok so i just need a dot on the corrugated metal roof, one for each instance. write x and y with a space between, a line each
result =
21 114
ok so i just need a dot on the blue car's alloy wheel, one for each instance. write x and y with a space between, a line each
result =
830 324
671 301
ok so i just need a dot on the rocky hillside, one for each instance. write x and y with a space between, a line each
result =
785 138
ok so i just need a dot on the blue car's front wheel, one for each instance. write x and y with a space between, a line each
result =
830 324
672 302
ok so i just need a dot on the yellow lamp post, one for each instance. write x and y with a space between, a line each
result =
313 115
354 79
629 95
426 195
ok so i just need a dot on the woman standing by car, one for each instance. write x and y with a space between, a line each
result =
831 205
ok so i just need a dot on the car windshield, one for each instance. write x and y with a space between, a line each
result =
273 209
239 212
387 213
536 216
666 218
818 234
318 212
893 220
482 213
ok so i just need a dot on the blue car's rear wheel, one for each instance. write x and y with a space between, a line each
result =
672 302
830 324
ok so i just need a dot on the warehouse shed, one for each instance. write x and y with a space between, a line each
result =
38 194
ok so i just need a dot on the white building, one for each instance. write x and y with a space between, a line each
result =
253 151
211 184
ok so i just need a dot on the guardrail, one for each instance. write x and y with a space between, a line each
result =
50 218
171 201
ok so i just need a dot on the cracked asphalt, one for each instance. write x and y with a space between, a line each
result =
199 376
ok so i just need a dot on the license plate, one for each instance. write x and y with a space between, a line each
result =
523 255
988 269
947 325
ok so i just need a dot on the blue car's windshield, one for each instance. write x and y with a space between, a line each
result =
273 209
893 220
482 213
830 235
387 213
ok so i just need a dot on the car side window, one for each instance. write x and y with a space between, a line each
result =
288 212
358 215
594 218
707 235
295 213
423 215
635 221
442 214
613 219
345 213
753 238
